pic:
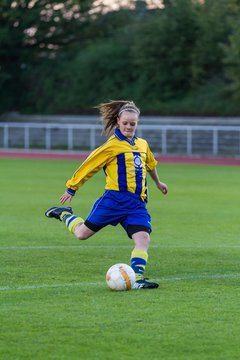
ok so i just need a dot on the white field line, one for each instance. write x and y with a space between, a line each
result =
82 284
80 246
59 247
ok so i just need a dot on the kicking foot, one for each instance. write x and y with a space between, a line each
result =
55 212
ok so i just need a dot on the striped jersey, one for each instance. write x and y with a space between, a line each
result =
125 163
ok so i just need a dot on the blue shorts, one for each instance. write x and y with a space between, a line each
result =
115 207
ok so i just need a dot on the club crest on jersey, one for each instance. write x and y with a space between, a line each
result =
137 161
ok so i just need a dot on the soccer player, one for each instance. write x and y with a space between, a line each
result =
126 159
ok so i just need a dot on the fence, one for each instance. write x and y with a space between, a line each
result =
165 139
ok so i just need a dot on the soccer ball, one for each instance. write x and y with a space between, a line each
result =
120 277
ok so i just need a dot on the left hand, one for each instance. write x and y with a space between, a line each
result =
163 188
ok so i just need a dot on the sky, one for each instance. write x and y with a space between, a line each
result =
115 4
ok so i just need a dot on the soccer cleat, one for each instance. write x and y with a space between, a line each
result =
143 284
55 212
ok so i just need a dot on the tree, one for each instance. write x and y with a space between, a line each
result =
232 55
162 50
213 31
84 72
31 30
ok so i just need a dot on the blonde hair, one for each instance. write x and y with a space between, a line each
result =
111 111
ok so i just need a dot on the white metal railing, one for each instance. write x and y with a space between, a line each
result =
161 134
48 127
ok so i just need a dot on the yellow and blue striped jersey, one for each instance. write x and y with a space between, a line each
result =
125 163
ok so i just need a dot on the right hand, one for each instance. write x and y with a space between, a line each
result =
65 197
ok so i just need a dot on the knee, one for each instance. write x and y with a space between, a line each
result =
81 237
82 233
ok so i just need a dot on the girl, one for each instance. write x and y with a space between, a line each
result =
126 160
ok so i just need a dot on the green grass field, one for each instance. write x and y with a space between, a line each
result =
54 300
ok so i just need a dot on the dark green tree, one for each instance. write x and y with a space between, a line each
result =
66 57
31 30
232 55
214 29
162 50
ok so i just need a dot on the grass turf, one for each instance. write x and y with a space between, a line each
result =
54 300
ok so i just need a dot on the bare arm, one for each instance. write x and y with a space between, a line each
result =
160 185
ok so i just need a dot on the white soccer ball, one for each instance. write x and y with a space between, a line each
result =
120 277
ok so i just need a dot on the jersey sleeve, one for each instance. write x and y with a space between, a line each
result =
94 162
151 162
